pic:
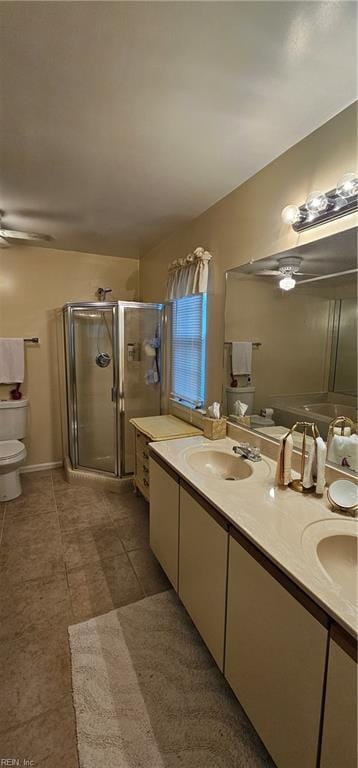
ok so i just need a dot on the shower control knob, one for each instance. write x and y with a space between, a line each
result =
103 359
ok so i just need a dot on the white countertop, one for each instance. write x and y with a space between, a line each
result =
280 522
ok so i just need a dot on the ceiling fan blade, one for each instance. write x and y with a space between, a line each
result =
15 234
269 272
308 274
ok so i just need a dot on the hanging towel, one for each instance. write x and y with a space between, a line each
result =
315 466
241 355
310 466
343 450
11 361
287 461
284 461
279 465
338 431
321 465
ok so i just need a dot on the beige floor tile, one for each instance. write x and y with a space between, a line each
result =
123 506
84 515
38 604
134 530
36 481
150 575
31 564
74 495
26 531
99 587
88 545
48 740
34 675
34 503
59 479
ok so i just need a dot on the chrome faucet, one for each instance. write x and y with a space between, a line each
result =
245 450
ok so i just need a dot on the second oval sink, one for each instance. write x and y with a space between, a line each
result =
338 555
219 464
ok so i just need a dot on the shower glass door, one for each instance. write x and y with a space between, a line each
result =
91 333
140 333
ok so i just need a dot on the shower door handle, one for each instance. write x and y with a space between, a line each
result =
113 394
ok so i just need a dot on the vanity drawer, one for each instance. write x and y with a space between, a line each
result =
142 442
142 466
142 484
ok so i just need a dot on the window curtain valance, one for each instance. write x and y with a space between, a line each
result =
189 275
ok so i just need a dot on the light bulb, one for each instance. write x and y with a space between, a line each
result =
290 214
348 185
316 202
287 283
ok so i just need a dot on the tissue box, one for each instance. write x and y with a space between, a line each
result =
214 429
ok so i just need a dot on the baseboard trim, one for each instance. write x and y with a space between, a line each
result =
41 467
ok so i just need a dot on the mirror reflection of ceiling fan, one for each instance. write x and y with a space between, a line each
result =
287 268
9 237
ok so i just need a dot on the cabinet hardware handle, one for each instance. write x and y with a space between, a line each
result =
145 481
145 455
145 469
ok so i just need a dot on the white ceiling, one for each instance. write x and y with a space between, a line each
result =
121 121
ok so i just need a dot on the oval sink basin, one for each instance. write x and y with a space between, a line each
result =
219 464
338 554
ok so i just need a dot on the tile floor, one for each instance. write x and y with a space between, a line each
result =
67 553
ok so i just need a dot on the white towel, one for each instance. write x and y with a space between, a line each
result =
310 466
241 356
338 431
315 466
343 450
11 361
321 465
284 461
287 461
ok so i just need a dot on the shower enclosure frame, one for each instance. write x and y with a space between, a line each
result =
117 390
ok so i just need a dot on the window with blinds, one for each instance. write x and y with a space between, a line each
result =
188 349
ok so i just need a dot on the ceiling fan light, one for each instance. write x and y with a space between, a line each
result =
316 202
287 283
348 185
290 214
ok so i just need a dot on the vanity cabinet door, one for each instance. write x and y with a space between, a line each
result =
275 660
164 519
203 547
339 741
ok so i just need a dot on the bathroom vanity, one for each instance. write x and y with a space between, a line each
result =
242 556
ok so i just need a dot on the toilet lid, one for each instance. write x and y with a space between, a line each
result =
10 448
261 421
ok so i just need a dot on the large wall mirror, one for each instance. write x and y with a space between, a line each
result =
299 356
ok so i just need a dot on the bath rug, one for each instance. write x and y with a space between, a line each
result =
147 694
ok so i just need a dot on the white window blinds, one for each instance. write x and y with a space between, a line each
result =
188 341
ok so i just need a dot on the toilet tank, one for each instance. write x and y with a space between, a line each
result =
13 419
245 394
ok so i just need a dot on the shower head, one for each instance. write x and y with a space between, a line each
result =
102 293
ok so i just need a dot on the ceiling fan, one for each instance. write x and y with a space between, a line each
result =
289 265
9 235
287 268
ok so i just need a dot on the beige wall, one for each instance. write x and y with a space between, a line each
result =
33 283
247 223
294 331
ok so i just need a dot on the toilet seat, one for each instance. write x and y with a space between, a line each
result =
11 450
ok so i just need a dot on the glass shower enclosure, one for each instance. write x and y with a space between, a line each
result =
113 372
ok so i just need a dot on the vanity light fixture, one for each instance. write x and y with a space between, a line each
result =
321 207
348 186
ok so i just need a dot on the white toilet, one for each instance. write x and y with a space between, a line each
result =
12 451
246 395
